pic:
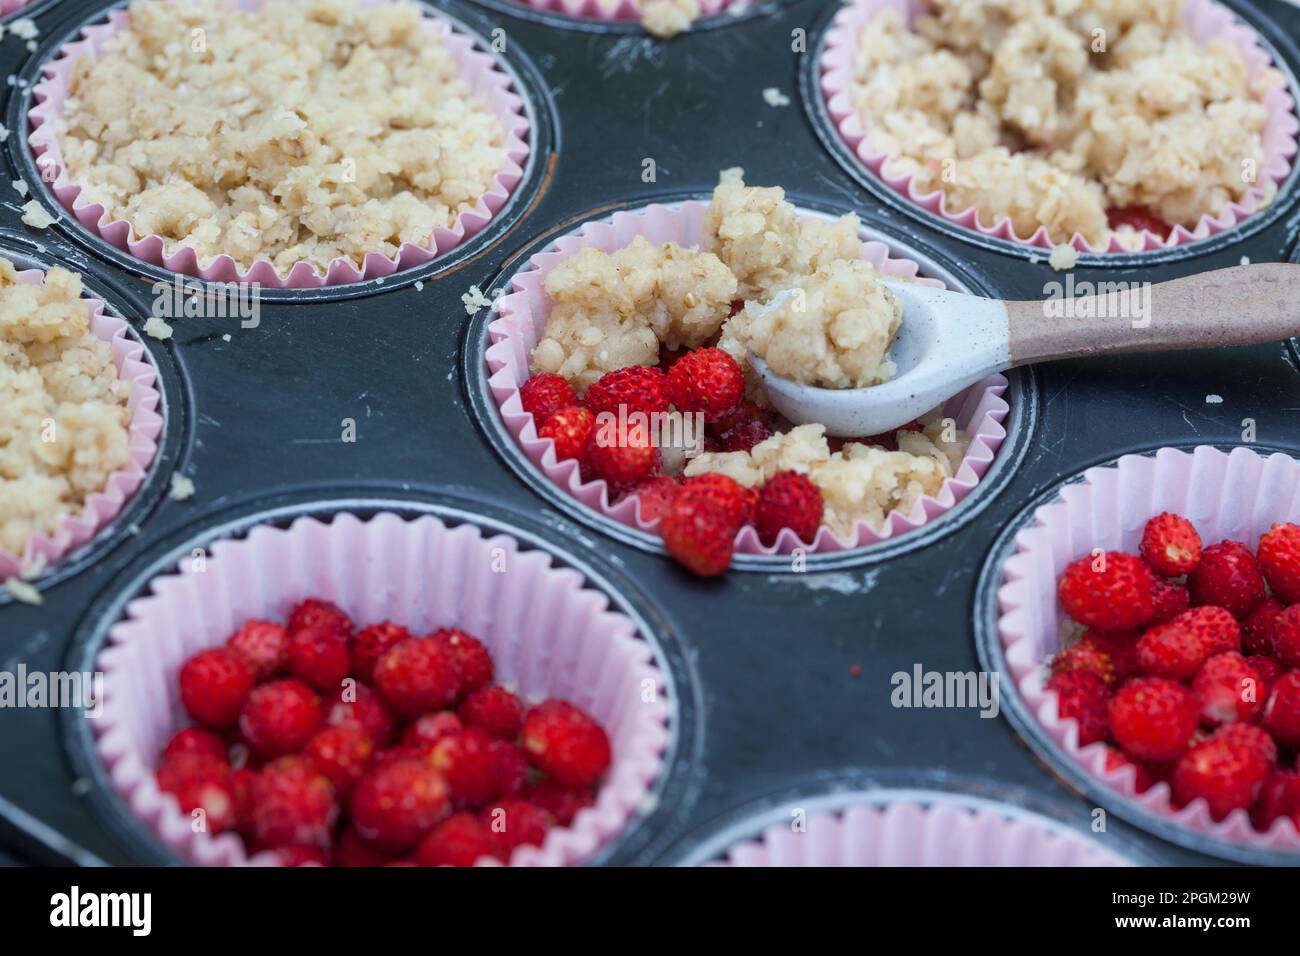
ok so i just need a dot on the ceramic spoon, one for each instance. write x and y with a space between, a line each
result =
949 341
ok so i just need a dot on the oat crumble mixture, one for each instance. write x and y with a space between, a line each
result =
619 309
57 381
304 131
1012 107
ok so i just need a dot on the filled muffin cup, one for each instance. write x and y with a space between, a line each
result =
887 828
550 635
145 424
1206 20
522 312
1235 495
477 68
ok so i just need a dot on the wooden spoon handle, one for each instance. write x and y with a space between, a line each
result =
1238 306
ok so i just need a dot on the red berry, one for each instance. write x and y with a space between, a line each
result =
700 535
1138 217
1081 696
744 436
1267 669
371 643
263 646
516 823
1226 774
1286 637
1174 650
1227 689
319 657
788 500
396 803
360 705
622 457
290 804
203 787
340 754
655 496
708 381
317 613
629 390
736 500
429 729
460 840
1279 798
1112 657
471 763
495 709
1152 718
1170 545
1109 592
1217 628
351 850
565 743
1282 712
563 803
569 428
473 660
513 769
214 685
1258 630
196 740
418 676
1143 779
1169 599
545 394
280 717
1227 577
1250 736
1279 561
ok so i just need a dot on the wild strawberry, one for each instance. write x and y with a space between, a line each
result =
569 428
1282 712
1170 545
351 850
263 647
395 804
1286 637
1143 779
1109 592
1172 650
565 743
515 823
290 804
196 740
470 761
371 643
708 381
214 685
340 754
1169 599
563 803
314 612
418 676
788 500
1139 218
635 389
738 501
319 657
1217 628
1081 696
428 730
1279 798
280 717
1152 718
545 394
1226 774
1258 629
742 429
200 783
1112 657
622 457
361 706
460 840
654 496
1227 689
495 709
473 660
1250 736
1279 561
1227 577
1267 670
700 535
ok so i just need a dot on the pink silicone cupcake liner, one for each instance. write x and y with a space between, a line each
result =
550 636
911 828
614 10
1206 20
12 6
1237 495
477 68
132 364
521 319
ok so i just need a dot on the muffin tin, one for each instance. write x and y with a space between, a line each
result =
781 680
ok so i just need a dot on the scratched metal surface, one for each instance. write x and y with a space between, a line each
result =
769 708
